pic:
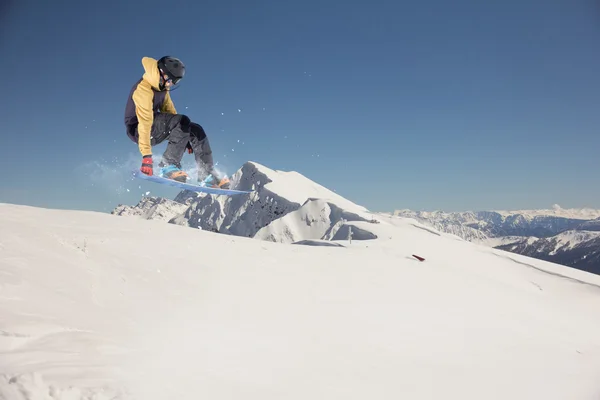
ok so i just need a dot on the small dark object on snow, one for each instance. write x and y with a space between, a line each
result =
418 258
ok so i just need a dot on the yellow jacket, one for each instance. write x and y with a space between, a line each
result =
149 99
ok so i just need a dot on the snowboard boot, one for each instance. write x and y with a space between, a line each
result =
174 173
213 181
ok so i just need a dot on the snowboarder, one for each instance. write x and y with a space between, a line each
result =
151 118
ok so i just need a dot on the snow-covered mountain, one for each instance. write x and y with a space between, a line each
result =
285 207
559 235
316 219
578 249
153 208
98 306
501 223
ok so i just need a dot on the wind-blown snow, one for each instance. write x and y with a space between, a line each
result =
96 306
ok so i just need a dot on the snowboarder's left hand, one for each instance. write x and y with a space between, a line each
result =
189 148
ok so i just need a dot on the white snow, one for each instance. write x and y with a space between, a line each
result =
97 306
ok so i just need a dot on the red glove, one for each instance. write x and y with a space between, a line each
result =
147 165
189 148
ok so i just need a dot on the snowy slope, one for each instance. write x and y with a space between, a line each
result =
96 306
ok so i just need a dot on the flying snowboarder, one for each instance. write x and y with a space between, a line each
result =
151 118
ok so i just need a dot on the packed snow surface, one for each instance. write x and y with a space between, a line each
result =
97 306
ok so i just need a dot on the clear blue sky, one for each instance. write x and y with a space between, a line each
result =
463 105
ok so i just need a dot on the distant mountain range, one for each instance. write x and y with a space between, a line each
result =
569 237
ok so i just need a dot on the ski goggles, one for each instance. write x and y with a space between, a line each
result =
173 80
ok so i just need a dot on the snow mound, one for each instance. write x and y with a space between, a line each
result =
353 231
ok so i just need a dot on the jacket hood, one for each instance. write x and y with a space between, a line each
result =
151 74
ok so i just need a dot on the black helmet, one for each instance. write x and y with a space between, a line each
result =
172 67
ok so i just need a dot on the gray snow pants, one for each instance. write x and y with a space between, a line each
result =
180 131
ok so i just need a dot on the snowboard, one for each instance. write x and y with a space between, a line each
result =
187 186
